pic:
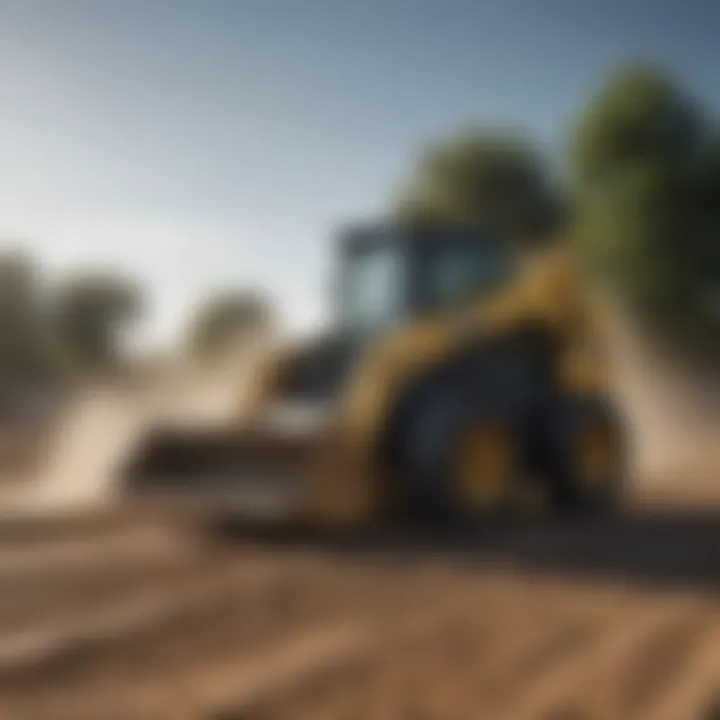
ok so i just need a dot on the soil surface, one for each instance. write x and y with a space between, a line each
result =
129 617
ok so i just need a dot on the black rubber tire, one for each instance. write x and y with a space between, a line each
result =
440 418
569 417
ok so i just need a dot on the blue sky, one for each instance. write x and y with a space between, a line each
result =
203 143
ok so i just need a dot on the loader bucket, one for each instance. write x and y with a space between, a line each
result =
254 472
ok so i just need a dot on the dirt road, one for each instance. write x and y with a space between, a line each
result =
128 619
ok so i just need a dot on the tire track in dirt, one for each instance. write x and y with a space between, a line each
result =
694 690
203 630
393 672
28 529
430 674
52 639
117 549
226 637
584 682
658 662
44 578
424 677
158 628
340 684
533 640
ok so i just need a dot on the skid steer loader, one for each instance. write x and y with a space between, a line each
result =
461 381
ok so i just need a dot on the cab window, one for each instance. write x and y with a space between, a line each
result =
455 272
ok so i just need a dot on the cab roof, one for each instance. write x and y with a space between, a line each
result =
360 237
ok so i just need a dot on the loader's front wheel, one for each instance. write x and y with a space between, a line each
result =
461 459
482 468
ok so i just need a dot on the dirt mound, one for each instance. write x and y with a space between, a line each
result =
76 455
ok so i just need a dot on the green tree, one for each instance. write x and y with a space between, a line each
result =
92 312
225 319
645 163
24 336
484 177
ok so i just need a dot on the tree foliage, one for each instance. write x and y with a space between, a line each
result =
226 319
92 312
484 178
23 330
645 163
54 330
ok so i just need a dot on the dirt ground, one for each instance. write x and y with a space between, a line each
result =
113 616
140 618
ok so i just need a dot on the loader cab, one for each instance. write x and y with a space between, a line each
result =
390 276
393 275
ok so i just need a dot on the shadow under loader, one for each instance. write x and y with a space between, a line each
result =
663 548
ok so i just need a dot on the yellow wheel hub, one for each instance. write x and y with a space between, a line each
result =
597 455
484 466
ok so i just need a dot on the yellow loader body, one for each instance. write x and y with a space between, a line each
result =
284 462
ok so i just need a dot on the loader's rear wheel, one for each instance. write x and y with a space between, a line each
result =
587 457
